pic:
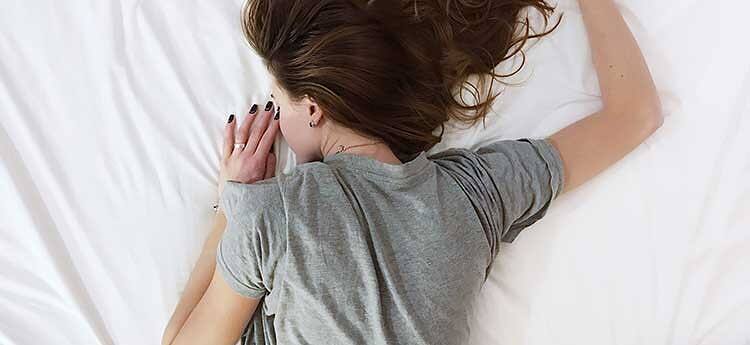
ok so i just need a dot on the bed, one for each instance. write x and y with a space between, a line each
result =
110 132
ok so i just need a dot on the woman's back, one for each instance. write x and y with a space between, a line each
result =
353 250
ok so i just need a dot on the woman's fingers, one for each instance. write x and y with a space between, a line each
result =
247 124
229 129
260 126
270 166
269 136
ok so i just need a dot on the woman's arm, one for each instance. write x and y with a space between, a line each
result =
219 317
210 312
631 109
198 282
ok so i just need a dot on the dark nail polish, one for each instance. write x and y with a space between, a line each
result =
253 109
278 110
269 105
231 118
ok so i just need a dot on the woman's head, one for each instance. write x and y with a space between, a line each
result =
385 69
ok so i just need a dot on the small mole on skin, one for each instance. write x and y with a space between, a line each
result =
610 66
622 76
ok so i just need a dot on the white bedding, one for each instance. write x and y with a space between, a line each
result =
110 128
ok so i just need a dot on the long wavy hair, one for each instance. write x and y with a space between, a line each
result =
392 69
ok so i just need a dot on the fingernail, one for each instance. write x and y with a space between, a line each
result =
269 105
253 109
231 118
277 113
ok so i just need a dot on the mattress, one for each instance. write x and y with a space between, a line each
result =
110 132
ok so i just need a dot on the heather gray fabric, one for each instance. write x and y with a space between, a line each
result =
351 250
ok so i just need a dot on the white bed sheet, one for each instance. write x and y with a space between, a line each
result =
110 127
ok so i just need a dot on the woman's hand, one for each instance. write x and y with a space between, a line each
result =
247 156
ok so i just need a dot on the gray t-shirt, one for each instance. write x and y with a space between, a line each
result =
352 250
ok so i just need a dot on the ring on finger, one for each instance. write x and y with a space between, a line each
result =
241 146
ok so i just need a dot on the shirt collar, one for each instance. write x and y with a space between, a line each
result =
405 169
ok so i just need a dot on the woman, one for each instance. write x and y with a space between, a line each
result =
371 240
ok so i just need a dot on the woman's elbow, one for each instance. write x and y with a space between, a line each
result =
653 116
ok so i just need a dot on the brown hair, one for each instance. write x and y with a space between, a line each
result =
388 69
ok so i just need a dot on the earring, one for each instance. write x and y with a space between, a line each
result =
312 124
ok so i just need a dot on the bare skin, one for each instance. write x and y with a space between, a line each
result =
631 111
210 312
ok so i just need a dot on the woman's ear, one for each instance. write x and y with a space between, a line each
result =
313 109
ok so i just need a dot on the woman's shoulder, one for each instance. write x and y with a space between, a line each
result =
265 198
308 178
251 204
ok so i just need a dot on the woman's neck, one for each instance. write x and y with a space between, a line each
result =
358 145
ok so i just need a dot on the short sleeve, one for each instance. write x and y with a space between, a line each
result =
510 183
250 247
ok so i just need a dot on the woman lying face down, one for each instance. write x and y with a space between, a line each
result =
370 240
